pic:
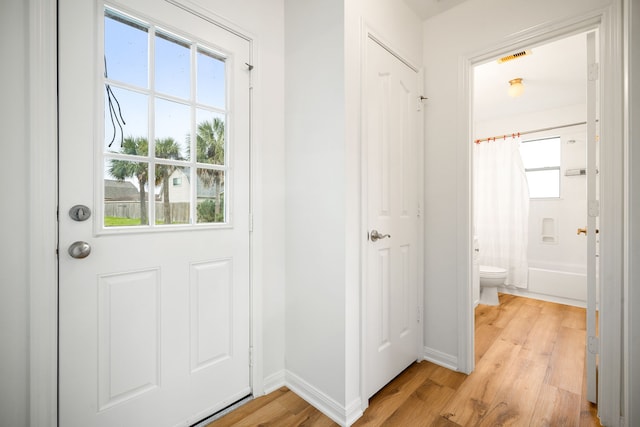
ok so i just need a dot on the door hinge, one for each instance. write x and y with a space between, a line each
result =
421 99
593 72
250 357
250 222
594 345
419 314
594 208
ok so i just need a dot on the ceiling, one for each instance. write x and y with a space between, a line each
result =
554 76
428 8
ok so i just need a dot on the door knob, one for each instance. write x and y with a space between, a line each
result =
79 250
584 231
375 236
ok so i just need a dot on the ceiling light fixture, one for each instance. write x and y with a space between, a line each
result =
516 88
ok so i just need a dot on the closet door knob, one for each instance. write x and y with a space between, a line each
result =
375 236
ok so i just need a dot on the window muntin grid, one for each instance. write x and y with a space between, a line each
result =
171 92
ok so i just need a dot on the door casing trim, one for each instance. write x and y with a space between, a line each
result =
43 197
608 21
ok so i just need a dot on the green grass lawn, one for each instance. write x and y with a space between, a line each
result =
114 221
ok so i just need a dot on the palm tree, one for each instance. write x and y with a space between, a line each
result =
166 148
210 149
122 169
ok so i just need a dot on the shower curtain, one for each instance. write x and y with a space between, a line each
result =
501 207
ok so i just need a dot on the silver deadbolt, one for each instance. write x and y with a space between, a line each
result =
79 249
375 236
80 213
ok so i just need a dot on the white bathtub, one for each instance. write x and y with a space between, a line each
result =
561 283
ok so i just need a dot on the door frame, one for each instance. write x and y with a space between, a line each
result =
607 20
369 34
43 201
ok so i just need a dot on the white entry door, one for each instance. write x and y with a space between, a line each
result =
154 263
392 210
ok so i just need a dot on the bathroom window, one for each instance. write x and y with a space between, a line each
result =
541 159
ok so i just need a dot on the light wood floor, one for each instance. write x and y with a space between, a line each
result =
530 371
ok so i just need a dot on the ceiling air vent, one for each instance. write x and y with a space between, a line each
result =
514 56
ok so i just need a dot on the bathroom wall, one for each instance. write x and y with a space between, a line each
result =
557 263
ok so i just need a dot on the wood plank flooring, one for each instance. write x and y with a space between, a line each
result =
530 371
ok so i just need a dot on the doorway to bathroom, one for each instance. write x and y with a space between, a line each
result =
539 102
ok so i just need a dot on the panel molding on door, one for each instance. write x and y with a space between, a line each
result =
211 293
129 335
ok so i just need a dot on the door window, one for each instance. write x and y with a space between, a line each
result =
165 122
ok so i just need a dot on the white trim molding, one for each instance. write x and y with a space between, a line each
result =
465 362
445 360
612 202
43 284
274 381
631 411
343 415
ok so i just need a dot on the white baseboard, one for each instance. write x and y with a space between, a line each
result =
274 382
343 415
439 358
549 298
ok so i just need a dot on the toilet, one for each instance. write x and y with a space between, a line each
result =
490 278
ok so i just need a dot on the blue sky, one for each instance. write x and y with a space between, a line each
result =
127 57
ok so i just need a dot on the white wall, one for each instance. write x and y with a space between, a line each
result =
568 252
315 195
447 182
14 308
323 92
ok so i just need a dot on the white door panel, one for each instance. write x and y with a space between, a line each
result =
154 322
392 208
593 212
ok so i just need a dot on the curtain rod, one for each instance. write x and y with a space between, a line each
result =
513 135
